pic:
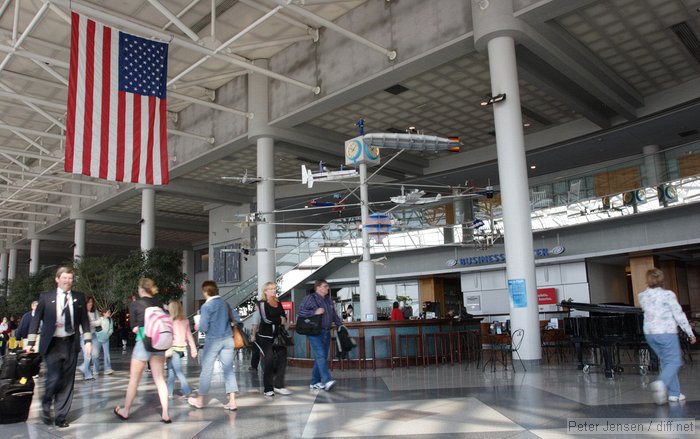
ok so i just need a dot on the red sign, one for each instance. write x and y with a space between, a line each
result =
546 296
288 308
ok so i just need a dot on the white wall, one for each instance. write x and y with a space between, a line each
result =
569 280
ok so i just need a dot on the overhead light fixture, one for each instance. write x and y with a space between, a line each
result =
490 100
533 166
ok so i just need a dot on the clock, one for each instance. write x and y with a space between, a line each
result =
353 149
358 152
372 152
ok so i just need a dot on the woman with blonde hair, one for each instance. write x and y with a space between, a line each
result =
274 358
140 356
181 338
662 317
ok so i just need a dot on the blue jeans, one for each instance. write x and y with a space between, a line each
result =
221 348
668 349
85 367
175 369
320 345
97 346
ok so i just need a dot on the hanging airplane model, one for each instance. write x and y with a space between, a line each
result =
308 178
244 179
415 196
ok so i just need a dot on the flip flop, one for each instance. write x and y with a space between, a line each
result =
232 408
116 412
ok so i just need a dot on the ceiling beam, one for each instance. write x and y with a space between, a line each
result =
206 192
132 219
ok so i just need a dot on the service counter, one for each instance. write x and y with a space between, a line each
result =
389 347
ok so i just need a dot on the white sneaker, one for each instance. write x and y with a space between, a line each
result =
680 397
317 386
283 391
108 372
270 393
658 389
329 385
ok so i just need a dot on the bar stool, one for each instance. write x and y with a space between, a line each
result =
360 350
404 339
386 338
442 345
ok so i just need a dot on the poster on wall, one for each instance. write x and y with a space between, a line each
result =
227 264
518 293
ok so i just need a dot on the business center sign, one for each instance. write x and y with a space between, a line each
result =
501 257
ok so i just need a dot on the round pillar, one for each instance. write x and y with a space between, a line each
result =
79 239
34 256
148 219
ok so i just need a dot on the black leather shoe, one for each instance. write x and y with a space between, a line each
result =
62 424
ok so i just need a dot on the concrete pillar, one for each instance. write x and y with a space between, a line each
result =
79 239
3 266
12 265
368 280
34 256
494 27
258 130
148 219
653 164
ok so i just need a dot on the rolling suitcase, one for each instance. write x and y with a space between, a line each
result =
15 399
20 365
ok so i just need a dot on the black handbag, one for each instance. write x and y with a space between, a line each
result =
309 325
283 338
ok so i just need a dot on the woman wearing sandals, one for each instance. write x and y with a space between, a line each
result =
140 356
181 338
274 358
215 321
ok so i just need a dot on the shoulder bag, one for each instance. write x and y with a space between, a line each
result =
309 325
239 340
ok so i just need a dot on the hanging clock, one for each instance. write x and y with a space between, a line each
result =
357 152
353 150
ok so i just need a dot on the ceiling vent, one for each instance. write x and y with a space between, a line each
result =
687 37
396 89
688 133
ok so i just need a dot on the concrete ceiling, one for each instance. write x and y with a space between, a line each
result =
598 80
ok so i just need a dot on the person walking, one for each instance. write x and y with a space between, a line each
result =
182 337
662 316
274 358
25 321
88 360
59 313
319 303
215 321
140 356
102 334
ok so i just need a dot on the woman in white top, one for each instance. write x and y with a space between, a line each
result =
662 316
88 372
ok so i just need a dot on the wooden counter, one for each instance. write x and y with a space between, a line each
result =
300 354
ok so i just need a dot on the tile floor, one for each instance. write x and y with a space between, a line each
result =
449 401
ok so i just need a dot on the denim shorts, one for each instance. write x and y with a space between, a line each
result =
140 353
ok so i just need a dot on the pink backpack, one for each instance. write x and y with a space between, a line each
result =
158 329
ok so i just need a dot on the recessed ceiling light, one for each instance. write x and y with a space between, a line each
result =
533 166
526 124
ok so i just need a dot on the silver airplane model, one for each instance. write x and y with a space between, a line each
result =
308 178
415 196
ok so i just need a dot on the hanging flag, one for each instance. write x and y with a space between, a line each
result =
117 120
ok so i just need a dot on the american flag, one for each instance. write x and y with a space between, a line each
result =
117 120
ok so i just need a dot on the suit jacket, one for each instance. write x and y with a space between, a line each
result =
46 312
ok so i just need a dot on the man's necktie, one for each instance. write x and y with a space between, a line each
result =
66 314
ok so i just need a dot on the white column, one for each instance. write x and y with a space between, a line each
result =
258 130
493 24
653 165
34 256
79 239
3 266
368 281
12 264
148 219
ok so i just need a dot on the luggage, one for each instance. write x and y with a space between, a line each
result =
20 365
15 399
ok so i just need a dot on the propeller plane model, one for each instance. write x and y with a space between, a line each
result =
308 178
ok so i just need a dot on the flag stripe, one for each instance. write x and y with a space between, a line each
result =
116 127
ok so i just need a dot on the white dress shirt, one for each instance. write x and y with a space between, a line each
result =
60 321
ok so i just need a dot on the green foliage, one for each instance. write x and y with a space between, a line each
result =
23 290
112 281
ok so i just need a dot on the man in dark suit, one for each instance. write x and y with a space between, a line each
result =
62 312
